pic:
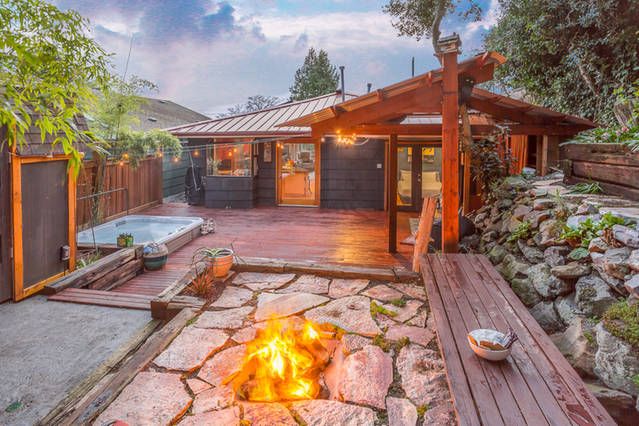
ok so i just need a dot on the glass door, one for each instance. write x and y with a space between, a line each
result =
297 174
418 175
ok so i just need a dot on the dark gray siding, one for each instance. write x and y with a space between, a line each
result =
352 176
173 174
229 192
266 178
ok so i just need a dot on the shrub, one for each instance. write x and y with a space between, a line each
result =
622 320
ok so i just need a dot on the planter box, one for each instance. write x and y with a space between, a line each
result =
613 166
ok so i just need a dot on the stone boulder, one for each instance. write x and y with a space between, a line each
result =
543 204
578 345
632 286
531 253
598 245
566 308
546 284
570 271
512 267
549 234
593 296
537 217
633 261
626 235
520 211
574 221
616 362
585 208
620 405
546 316
526 292
615 262
555 256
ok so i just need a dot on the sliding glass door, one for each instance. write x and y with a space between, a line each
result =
418 175
297 174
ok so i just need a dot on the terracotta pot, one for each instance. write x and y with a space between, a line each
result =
222 263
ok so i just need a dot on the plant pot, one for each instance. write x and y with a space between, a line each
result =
129 241
122 242
156 259
221 263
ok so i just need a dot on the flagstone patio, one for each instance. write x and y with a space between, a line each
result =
385 369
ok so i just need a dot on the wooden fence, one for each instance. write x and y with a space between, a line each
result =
127 188
613 166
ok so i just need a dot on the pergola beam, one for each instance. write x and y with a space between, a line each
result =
384 129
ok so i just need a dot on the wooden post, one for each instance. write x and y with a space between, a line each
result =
467 158
449 49
392 194
542 155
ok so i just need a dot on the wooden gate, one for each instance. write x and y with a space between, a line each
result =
43 196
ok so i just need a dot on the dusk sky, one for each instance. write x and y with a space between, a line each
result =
209 55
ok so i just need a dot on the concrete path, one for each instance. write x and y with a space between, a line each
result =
46 348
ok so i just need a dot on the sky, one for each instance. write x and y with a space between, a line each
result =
209 55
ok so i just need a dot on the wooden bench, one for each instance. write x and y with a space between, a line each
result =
535 385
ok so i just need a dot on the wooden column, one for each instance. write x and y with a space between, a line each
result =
391 194
449 49
467 158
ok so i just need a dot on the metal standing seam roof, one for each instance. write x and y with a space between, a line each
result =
261 123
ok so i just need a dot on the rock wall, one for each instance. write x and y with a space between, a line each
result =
571 258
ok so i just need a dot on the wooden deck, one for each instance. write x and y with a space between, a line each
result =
535 385
356 237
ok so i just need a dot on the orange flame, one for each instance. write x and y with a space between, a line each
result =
283 362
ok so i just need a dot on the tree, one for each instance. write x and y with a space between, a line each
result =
48 70
315 78
569 56
423 18
253 103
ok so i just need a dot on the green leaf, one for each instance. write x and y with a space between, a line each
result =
13 407
579 253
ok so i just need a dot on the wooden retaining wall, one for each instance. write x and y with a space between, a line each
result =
143 183
613 166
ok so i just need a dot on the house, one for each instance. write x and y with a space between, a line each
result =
383 150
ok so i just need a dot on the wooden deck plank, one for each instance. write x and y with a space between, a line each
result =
103 298
460 391
589 410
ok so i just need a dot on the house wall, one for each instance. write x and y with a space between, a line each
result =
352 177
173 174
266 188
235 192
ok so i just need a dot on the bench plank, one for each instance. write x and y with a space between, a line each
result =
536 385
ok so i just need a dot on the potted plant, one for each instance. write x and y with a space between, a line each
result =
154 256
129 240
218 259
122 240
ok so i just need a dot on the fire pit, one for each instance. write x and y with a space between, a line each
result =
282 363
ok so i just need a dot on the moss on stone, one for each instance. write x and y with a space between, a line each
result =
622 320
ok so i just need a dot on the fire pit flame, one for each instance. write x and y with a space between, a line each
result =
282 363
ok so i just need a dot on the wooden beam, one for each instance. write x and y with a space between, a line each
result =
450 149
503 113
392 194
383 129
467 138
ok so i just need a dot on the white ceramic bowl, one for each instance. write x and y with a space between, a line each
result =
490 335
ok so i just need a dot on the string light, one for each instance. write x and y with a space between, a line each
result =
121 163
196 153
176 159
125 156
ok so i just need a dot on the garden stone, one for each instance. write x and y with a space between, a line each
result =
346 287
615 262
574 221
536 218
616 362
578 349
549 234
423 376
512 267
271 306
442 414
382 292
633 261
571 271
258 281
267 414
416 291
479 219
512 224
191 348
320 412
598 245
497 254
151 398
504 204
632 286
406 312
598 262
543 204
626 235
233 297
228 416
629 211
521 211
593 296
420 335
401 412
228 318
531 253
215 398
354 342
365 377
352 314
546 316
222 364
515 182
556 255
307 284
526 292
566 308
620 405
585 208
546 284
489 236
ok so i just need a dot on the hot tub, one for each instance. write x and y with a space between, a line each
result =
174 232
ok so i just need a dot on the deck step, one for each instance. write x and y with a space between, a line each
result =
103 298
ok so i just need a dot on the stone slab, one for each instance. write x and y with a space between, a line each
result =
422 373
233 297
319 412
365 377
191 348
215 398
258 281
416 291
227 318
420 335
222 364
227 417
400 412
346 287
267 414
349 313
272 306
382 292
307 284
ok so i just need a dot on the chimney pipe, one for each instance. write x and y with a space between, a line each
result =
368 87
413 67
341 70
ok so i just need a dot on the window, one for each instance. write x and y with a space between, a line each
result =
228 160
